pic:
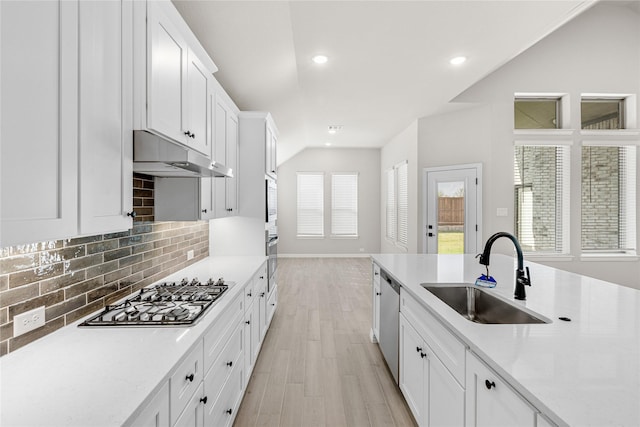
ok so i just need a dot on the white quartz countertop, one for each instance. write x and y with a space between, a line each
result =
100 376
585 372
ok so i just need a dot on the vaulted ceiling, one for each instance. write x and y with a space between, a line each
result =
388 61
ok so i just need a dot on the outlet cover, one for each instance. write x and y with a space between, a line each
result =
28 321
189 254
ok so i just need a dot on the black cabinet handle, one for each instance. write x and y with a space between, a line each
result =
376 273
248 322
419 349
189 377
423 355
229 411
378 293
229 364
193 135
188 133
273 304
132 214
489 384
249 294
204 211
261 277
203 400
262 295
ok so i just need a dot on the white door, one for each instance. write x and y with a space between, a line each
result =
452 209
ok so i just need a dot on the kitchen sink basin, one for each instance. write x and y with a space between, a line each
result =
479 306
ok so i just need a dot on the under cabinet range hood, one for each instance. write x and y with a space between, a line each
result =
156 156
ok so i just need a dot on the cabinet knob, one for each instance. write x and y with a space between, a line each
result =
262 295
229 210
204 211
378 293
188 133
229 364
261 277
249 294
419 349
248 322
423 355
132 214
229 411
273 304
376 273
193 135
189 377
203 400
489 384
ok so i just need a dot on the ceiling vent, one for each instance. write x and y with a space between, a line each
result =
333 129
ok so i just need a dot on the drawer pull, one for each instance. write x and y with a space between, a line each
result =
262 295
489 384
203 400
189 377
423 355
419 349
249 294
229 363
229 411
248 322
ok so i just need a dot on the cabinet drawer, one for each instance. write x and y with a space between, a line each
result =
185 380
376 273
230 356
223 411
220 331
249 293
272 303
446 347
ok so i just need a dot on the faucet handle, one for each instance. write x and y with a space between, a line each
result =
528 281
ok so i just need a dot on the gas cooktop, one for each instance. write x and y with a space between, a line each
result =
167 304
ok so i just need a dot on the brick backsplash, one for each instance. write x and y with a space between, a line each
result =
75 277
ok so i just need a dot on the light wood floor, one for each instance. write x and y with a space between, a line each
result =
317 366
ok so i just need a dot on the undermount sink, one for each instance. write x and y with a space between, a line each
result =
479 306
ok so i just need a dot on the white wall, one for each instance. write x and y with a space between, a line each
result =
403 146
364 161
597 52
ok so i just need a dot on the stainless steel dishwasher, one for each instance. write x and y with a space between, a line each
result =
389 321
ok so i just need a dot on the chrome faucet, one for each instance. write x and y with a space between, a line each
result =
522 280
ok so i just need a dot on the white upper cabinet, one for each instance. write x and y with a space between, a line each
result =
66 119
39 120
225 151
178 79
106 128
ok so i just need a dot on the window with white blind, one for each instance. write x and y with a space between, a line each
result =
310 204
391 205
397 204
344 205
403 203
608 199
542 198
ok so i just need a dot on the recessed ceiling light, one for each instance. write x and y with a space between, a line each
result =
328 144
320 59
458 60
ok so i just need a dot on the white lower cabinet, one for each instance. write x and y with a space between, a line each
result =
432 393
376 302
184 382
207 386
156 413
272 303
193 414
491 401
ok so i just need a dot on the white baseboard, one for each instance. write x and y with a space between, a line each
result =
359 255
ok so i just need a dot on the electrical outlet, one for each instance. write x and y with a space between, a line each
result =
189 254
28 321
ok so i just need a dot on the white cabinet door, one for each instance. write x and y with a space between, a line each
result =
105 116
198 89
249 342
166 68
39 120
413 376
446 396
491 402
376 301
194 412
156 413
226 152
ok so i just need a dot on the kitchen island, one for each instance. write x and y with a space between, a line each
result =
106 376
585 371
